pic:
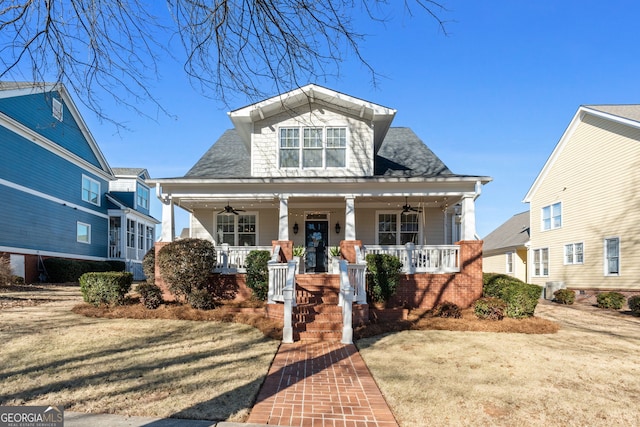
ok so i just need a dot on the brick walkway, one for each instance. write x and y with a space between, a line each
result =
320 384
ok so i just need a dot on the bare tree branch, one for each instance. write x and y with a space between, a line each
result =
229 48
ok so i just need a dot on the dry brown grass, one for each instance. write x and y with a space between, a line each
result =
148 367
588 373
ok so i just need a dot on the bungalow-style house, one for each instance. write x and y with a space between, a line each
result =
315 168
584 230
55 183
505 248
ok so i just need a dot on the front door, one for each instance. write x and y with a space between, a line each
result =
316 234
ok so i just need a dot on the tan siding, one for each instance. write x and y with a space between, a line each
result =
596 177
202 224
498 264
264 154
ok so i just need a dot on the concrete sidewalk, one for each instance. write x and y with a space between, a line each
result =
77 419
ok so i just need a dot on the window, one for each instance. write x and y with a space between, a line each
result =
541 262
237 230
140 236
573 253
142 197
57 110
509 268
397 229
320 147
289 148
552 216
612 256
90 190
131 233
150 237
83 232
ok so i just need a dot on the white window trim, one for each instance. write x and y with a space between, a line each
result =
99 190
533 263
398 225
235 232
605 263
564 253
78 224
513 265
550 206
324 147
57 110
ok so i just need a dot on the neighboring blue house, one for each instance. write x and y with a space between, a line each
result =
54 184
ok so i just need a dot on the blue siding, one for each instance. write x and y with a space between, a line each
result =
30 165
31 222
35 112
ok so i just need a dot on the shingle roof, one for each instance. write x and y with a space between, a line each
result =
513 233
128 171
402 154
630 111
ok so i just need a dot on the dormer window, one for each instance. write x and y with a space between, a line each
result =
142 197
321 147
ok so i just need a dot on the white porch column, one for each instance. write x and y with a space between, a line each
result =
168 221
468 218
283 224
350 219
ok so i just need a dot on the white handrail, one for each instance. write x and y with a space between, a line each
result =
289 292
346 292
277 281
436 259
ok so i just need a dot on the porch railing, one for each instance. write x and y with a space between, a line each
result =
437 259
232 259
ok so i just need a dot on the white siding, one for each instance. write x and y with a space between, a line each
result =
265 144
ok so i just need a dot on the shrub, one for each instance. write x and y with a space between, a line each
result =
186 265
150 295
490 308
634 305
612 300
149 265
115 265
521 298
105 287
5 271
17 280
564 296
201 299
448 310
62 270
258 273
383 276
492 282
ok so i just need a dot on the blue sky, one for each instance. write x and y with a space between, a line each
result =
492 97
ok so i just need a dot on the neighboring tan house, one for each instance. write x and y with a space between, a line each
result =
317 168
584 204
54 182
505 248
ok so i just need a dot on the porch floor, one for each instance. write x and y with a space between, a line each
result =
320 384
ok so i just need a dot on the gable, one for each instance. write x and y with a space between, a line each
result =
512 234
31 109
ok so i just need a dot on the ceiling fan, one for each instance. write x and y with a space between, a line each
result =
230 210
408 209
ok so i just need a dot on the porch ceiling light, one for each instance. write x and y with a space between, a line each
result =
338 228
295 228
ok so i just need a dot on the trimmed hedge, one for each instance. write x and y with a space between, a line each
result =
63 270
383 276
258 274
149 265
610 300
106 287
634 305
490 308
186 265
521 298
564 296
150 295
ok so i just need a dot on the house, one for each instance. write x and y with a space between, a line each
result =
505 248
583 204
55 182
317 168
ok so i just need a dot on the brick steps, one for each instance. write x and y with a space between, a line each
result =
317 317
